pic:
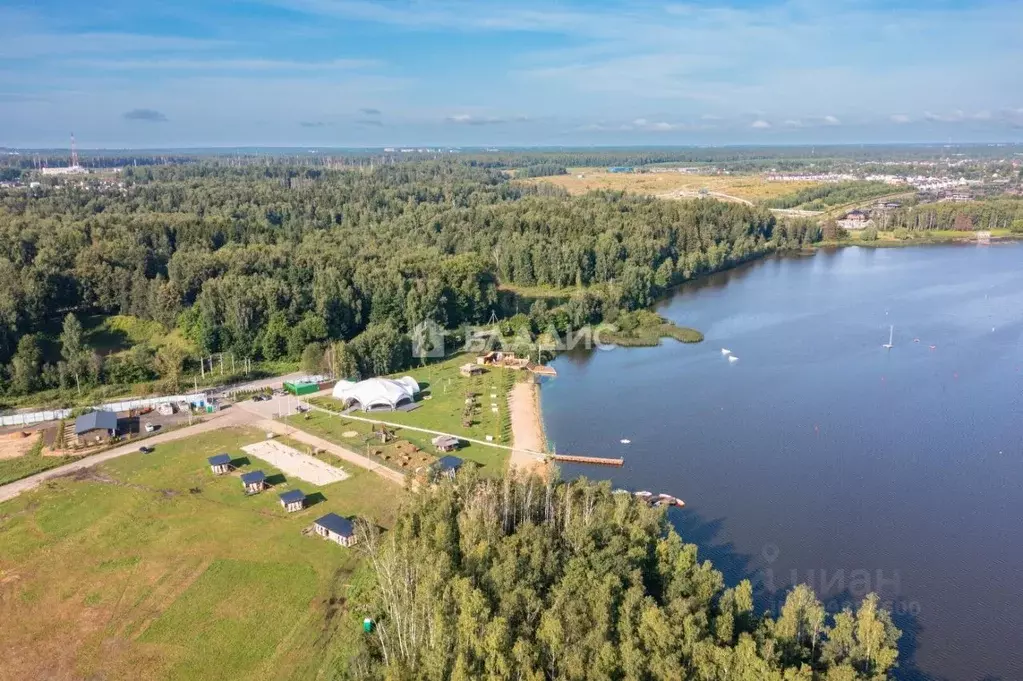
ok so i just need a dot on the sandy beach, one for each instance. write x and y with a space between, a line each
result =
527 428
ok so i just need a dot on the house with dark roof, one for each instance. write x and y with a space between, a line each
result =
447 465
220 464
336 529
254 482
293 500
95 427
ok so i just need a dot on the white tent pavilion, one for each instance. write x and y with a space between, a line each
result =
377 393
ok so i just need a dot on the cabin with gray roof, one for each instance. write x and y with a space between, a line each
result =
220 464
447 465
336 529
293 500
254 482
96 427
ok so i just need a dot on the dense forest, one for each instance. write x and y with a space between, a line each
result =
265 261
533 580
826 195
1003 213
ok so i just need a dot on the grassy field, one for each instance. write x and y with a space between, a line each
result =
749 187
916 238
148 567
444 393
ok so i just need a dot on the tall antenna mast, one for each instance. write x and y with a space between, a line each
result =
74 152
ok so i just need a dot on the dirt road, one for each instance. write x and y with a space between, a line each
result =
223 419
258 415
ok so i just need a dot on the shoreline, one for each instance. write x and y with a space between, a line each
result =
528 437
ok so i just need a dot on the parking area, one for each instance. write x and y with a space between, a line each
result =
294 463
136 425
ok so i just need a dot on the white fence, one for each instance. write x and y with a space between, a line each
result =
195 399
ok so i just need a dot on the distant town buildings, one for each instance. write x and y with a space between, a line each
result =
65 170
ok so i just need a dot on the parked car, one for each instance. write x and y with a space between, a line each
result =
145 450
150 428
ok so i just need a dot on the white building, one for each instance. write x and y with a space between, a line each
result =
377 393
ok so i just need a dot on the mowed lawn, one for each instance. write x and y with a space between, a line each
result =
150 567
442 405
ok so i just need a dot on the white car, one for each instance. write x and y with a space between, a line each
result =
150 428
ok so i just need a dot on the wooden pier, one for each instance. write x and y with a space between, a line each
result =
578 458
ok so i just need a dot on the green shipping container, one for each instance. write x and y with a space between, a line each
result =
301 388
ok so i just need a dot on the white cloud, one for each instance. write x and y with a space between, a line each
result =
832 120
954 117
760 124
900 118
469 119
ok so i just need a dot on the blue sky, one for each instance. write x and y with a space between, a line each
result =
155 73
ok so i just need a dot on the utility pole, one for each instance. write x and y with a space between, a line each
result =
232 362
202 367
221 364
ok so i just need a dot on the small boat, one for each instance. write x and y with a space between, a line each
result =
891 336
666 497
620 491
725 351
916 340
625 442
733 358
644 494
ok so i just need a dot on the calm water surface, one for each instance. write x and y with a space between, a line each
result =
821 457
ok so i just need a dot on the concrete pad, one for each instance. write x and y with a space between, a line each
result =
294 463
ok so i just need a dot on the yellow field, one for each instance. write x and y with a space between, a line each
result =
751 188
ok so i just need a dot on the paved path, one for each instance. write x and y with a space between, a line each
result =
223 419
288 405
328 446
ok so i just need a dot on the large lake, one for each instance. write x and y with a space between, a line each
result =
821 457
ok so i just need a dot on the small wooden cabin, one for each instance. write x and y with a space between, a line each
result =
336 529
254 482
220 464
446 443
470 370
293 500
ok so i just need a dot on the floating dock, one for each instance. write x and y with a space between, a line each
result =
578 458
